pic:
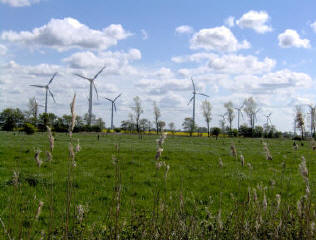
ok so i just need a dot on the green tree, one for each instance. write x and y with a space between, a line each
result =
188 125
11 118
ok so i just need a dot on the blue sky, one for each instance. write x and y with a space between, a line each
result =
152 48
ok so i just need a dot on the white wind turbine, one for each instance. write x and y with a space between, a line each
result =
92 85
193 98
47 90
113 107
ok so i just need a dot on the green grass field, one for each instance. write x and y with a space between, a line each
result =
194 173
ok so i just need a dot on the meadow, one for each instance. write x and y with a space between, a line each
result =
117 187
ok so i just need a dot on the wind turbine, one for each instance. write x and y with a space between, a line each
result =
239 112
193 98
254 118
268 119
113 106
91 80
47 90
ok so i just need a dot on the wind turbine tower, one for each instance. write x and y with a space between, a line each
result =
193 99
239 112
92 85
47 90
113 107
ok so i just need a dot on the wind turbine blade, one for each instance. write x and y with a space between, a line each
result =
190 100
78 75
50 92
108 99
193 84
99 72
242 115
203 94
270 121
50 81
114 106
96 91
117 97
39 86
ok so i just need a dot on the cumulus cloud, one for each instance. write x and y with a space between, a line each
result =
67 33
219 39
196 57
184 29
290 38
255 20
230 21
19 3
283 81
239 64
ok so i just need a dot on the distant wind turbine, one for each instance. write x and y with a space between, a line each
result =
239 112
47 90
268 119
92 85
113 106
193 98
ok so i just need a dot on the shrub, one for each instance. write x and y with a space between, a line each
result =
29 128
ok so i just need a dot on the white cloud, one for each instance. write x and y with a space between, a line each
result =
230 21
67 33
19 3
184 29
3 50
255 20
239 64
196 57
144 34
290 38
115 62
219 39
282 82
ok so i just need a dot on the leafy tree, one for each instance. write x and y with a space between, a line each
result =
143 124
29 128
188 125
216 131
245 131
11 118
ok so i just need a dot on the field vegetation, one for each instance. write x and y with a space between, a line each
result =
121 186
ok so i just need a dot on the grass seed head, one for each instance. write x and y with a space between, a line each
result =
51 138
234 151
78 146
37 157
39 209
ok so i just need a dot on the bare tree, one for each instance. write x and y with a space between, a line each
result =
312 118
251 109
299 119
138 110
157 115
207 111
230 113
32 111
